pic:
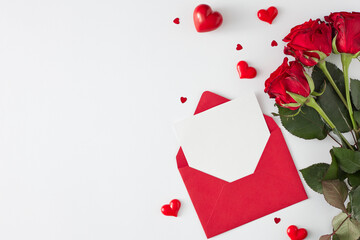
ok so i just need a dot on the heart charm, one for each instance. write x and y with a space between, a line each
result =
245 71
172 208
183 99
267 15
277 220
296 234
274 43
239 47
205 19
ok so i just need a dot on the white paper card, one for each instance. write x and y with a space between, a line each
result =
225 141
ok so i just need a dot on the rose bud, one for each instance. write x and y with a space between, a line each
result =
309 42
289 85
347 31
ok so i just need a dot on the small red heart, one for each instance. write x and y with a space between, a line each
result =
172 208
274 43
267 15
176 21
277 220
239 47
205 19
245 71
296 234
183 99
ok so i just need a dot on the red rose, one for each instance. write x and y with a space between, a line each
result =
307 37
347 31
287 78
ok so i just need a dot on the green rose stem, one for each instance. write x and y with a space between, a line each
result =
322 66
312 103
346 60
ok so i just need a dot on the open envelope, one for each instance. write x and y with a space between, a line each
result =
222 205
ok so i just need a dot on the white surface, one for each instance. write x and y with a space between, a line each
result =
89 92
225 141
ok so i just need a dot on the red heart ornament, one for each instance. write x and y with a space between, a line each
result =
183 99
205 19
239 47
277 220
176 21
245 71
296 234
274 43
172 208
267 15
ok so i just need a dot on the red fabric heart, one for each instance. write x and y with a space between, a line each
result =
245 71
172 208
267 15
176 21
205 19
296 234
239 47
277 220
183 99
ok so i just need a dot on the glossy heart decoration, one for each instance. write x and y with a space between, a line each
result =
277 220
267 15
245 71
172 208
183 99
205 19
296 234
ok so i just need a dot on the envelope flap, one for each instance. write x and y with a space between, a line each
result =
209 100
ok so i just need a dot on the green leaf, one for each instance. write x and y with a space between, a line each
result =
330 101
325 237
349 229
335 237
332 172
319 77
357 117
307 124
335 193
355 92
355 203
354 179
314 174
335 109
348 160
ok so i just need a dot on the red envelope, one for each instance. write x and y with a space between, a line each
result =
222 205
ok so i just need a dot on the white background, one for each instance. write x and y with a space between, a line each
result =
89 92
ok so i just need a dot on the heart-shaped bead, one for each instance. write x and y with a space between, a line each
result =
172 208
183 99
277 220
296 234
205 19
245 71
267 15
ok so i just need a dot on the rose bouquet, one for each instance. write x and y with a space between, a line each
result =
316 99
